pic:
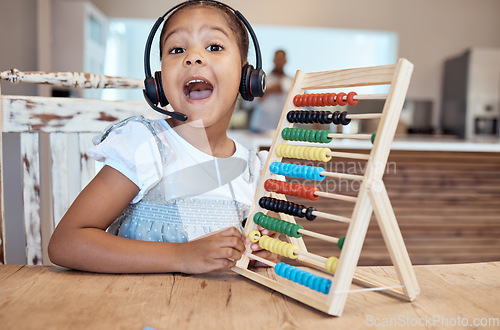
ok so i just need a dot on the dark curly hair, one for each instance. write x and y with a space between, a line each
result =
233 21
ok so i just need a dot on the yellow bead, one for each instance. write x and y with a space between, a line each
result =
290 250
252 235
303 152
331 264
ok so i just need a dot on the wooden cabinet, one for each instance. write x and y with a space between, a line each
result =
447 205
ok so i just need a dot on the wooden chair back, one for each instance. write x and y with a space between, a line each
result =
55 134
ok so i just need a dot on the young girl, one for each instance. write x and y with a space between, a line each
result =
172 195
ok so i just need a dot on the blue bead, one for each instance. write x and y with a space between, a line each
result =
278 269
325 287
317 175
300 277
274 167
293 275
307 279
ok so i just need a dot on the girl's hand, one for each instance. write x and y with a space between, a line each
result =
260 252
217 250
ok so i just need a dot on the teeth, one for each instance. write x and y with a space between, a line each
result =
195 81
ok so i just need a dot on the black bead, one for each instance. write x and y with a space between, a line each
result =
262 202
335 118
343 119
314 116
309 213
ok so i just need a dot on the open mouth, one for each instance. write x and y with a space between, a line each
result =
198 89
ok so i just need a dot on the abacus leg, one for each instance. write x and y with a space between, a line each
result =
393 239
350 253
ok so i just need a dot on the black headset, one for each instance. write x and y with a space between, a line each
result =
253 81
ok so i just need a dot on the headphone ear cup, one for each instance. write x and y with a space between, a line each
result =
159 85
150 90
258 83
154 90
253 83
245 91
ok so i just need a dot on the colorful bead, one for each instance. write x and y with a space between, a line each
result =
303 152
291 189
252 235
343 118
350 98
303 277
309 117
324 99
307 135
340 243
279 247
297 99
277 225
281 206
331 264
340 99
298 171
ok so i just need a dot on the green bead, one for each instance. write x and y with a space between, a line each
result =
296 231
324 136
301 135
258 217
340 243
309 135
373 137
285 133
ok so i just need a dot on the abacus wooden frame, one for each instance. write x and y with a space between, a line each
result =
372 196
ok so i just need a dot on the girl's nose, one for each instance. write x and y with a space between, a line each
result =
194 58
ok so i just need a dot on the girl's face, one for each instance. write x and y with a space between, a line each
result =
201 66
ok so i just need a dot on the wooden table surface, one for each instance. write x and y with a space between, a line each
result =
38 297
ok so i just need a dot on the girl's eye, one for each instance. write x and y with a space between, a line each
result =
214 48
177 51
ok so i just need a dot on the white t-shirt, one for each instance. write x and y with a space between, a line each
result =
184 193
133 150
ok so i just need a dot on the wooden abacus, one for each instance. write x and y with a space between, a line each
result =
328 287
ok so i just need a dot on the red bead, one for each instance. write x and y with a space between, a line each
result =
270 185
311 194
300 99
350 98
316 100
296 100
321 100
340 99
331 99
310 99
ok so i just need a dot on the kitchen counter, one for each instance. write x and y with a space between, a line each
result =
401 142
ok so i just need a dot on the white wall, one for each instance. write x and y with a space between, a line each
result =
430 31
18 42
